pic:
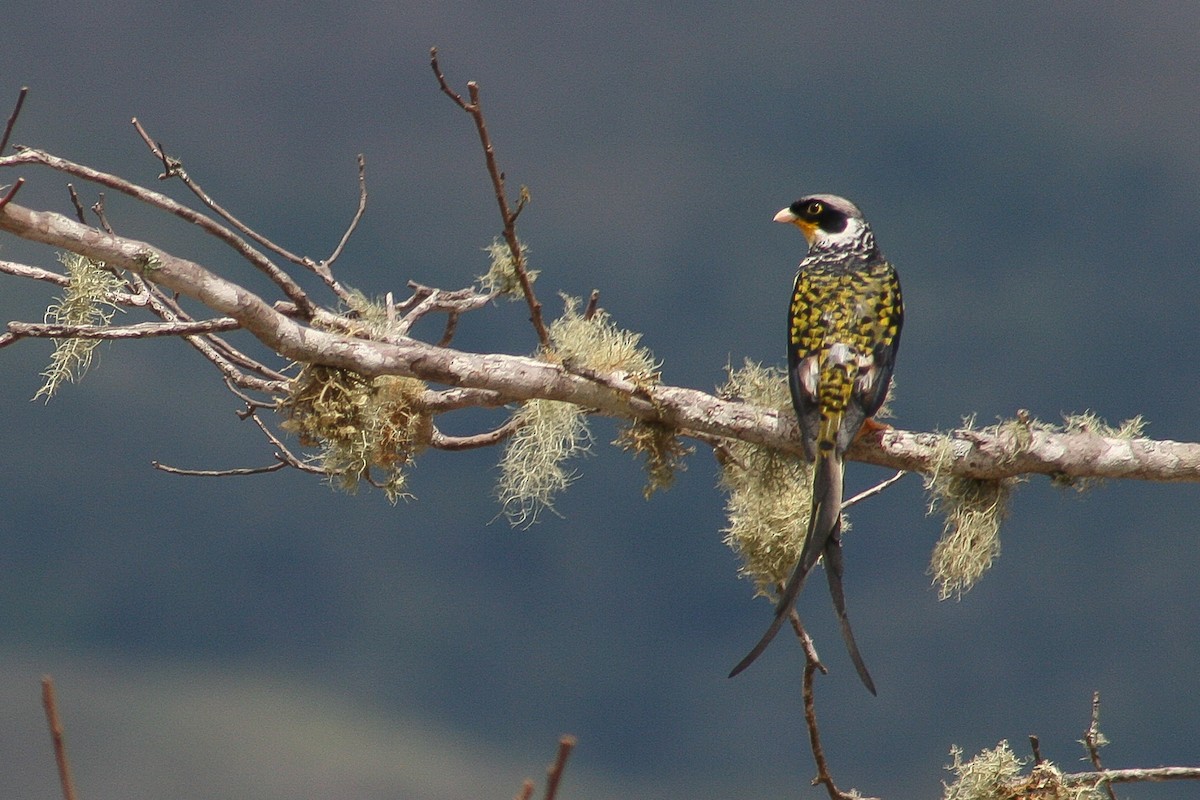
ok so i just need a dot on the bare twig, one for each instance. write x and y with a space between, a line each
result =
554 773
526 790
358 213
12 118
1149 775
12 192
158 200
593 304
1093 740
507 214
50 704
874 490
442 441
98 210
173 168
34 273
141 330
80 214
219 473
1036 746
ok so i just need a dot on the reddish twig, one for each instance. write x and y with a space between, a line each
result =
507 213
56 734
12 192
812 665
80 214
554 774
526 790
593 304
12 118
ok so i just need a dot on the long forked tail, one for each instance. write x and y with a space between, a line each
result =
824 520
833 573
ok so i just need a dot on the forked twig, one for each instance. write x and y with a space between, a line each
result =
1093 740
507 213
12 192
173 168
158 200
50 704
554 774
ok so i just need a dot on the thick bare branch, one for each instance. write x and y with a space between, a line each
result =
504 378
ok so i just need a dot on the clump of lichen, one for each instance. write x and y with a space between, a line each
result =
369 318
768 492
368 429
533 468
85 301
662 450
502 277
973 510
595 343
996 775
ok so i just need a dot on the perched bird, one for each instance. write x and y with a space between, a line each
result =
843 331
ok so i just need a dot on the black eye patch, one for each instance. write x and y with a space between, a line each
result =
827 219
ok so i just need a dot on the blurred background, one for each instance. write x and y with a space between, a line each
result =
1032 170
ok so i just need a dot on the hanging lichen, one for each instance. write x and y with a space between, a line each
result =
533 468
85 301
768 492
367 429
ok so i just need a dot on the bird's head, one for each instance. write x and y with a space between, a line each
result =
826 220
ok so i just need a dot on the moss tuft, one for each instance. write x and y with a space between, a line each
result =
501 277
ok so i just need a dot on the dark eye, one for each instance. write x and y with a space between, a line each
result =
815 208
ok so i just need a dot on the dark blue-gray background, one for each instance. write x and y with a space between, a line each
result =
1031 169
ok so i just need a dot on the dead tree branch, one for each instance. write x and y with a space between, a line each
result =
977 454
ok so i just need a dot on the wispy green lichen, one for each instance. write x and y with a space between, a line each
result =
367 429
996 775
86 301
501 277
533 469
769 493
973 510
596 343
